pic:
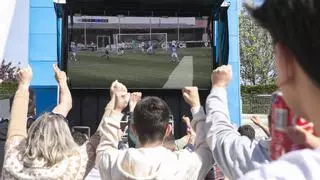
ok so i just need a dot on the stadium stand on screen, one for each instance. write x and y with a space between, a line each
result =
141 52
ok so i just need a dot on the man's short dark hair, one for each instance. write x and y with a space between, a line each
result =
294 24
247 130
151 116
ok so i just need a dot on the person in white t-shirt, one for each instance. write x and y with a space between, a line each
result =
294 28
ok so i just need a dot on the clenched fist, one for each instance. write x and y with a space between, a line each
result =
117 86
191 96
221 76
121 101
60 76
25 76
190 131
134 99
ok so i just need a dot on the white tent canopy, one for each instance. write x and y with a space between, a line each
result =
6 14
14 30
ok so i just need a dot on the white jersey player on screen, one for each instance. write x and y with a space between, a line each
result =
106 53
73 51
142 44
174 55
150 48
121 48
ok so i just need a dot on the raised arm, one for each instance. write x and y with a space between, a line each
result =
110 114
256 120
19 111
205 160
134 99
234 154
65 101
115 87
187 139
111 124
107 150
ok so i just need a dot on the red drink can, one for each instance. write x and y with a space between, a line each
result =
283 117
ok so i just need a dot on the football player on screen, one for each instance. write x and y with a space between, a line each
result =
150 48
73 48
106 53
174 55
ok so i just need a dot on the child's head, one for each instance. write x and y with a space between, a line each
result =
247 130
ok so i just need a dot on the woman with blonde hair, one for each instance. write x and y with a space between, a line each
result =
47 150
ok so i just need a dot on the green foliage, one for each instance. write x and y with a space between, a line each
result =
8 71
7 89
256 53
257 99
255 104
258 89
8 84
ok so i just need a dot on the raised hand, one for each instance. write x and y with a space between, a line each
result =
25 76
301 136
134 99
117 86
190 131
221 77
65 102
121 101
186 120
256 120
60 76
191 96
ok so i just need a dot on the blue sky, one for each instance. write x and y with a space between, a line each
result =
16 49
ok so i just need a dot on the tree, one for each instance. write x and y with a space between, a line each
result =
8 72
256 53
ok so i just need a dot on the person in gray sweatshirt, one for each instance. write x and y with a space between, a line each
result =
234 154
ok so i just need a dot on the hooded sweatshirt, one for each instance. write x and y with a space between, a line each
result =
234 154
297 165
152 163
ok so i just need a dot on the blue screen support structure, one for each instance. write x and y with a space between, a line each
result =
43 48
234 95
226 40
